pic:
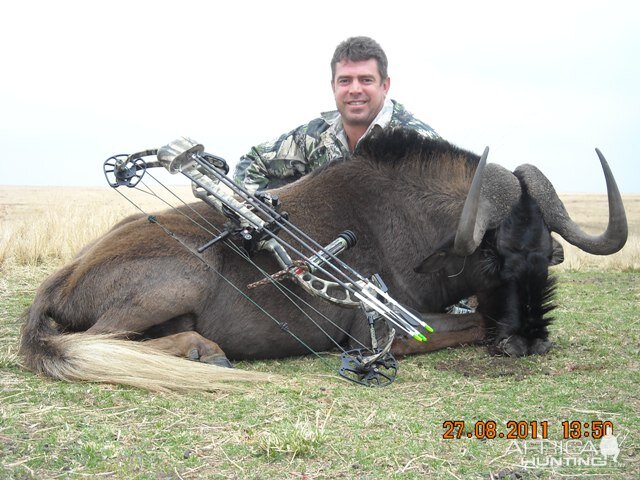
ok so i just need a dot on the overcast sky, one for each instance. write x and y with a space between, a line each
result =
538 82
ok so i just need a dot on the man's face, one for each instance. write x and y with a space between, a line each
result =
359 91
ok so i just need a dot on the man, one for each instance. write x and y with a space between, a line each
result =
360 85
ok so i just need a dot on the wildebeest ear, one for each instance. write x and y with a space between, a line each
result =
433 263
557 257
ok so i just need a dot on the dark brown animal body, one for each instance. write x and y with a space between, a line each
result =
403 196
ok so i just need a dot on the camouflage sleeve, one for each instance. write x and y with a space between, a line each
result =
422 128
273 164
403 118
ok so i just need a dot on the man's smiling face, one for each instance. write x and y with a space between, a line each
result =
359 91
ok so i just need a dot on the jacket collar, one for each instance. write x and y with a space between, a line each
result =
382 120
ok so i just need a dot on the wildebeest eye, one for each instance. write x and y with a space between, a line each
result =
433 263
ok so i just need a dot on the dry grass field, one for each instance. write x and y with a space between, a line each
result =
41 225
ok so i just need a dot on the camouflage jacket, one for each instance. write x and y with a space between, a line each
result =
294 154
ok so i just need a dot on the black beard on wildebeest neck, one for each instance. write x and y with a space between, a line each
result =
516 256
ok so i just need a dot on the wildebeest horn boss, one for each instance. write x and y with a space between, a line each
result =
437 225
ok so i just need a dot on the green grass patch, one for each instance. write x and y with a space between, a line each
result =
314 425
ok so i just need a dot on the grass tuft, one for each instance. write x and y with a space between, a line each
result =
298 439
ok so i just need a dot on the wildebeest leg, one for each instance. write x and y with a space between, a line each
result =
193 346
188 344
167 319
449 331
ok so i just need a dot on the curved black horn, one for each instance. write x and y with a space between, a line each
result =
493 193
558 220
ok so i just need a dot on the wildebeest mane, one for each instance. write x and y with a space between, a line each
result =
401 156
393 146
402 148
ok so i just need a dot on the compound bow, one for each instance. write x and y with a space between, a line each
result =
256 220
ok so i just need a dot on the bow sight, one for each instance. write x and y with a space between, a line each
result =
255 220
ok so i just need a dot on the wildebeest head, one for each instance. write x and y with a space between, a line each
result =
508 219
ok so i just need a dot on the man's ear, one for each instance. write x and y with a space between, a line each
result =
386 85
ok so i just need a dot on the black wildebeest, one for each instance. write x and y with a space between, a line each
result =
434 230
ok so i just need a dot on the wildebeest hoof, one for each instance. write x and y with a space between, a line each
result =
219 360
513 346
193 355
540 346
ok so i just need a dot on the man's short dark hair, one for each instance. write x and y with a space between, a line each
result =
359 49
